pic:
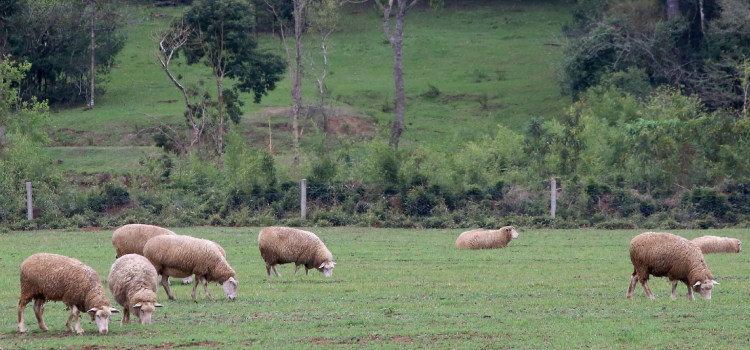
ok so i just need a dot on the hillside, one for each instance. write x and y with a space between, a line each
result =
492 62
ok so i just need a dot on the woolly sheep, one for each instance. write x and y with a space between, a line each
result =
51 277
667 255
281 245
714 244
130 239
486 239
182 256
133 283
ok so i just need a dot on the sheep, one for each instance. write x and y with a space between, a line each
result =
281 245
130 239
713 244
667 255
133 283
486 239
182 256
51 277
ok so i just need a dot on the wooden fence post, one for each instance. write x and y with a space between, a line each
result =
29 206
303 198
553 198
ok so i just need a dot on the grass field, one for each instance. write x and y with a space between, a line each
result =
407 288
504 50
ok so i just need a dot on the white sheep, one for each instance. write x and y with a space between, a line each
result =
667 255
714 244
281 245
133 282
182 256
51 277
486 239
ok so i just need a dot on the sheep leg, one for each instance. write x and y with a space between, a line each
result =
673 296
307 271
165 284
125 316
21 306
39 311
268 270
297 269
648 290
79 329
631 289
690 293
196 280
205 287
275 270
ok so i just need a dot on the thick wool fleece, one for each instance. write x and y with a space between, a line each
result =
182 256
132 280
714 244
60 278
130 239
667 255
485 239
281 245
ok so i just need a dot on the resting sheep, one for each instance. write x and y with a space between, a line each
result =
713 244
668 255
133 283
51 277
281 245
486 239
182 256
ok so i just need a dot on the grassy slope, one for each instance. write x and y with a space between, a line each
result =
409 288
465 49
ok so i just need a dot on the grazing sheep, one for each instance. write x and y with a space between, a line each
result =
668 255
182 256
713 244
130 239
133 283
486 239
281 245
51 277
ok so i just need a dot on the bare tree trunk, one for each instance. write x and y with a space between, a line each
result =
93 61
703 17
673 9
297 79
220 92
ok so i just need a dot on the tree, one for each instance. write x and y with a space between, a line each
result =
221 39
396 39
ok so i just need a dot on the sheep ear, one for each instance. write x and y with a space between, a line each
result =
322 266
137 305
333 263
114 311
231 279
158 305
92 311
714 282
697 284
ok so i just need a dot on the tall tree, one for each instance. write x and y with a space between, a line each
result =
222 40
396 39
295 72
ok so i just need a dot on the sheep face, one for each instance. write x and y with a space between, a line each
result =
704 288
144 311
739 245
101 316
230 288
327 268
513 232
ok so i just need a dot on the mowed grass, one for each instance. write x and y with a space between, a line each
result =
395 288
504 50
98 159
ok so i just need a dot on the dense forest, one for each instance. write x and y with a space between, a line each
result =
651 131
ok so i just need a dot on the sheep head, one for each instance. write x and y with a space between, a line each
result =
738 245
101 316
704 288
327 268
512 230
230 288
145 310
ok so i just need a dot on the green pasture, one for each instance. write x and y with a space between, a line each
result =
501 52
396 288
